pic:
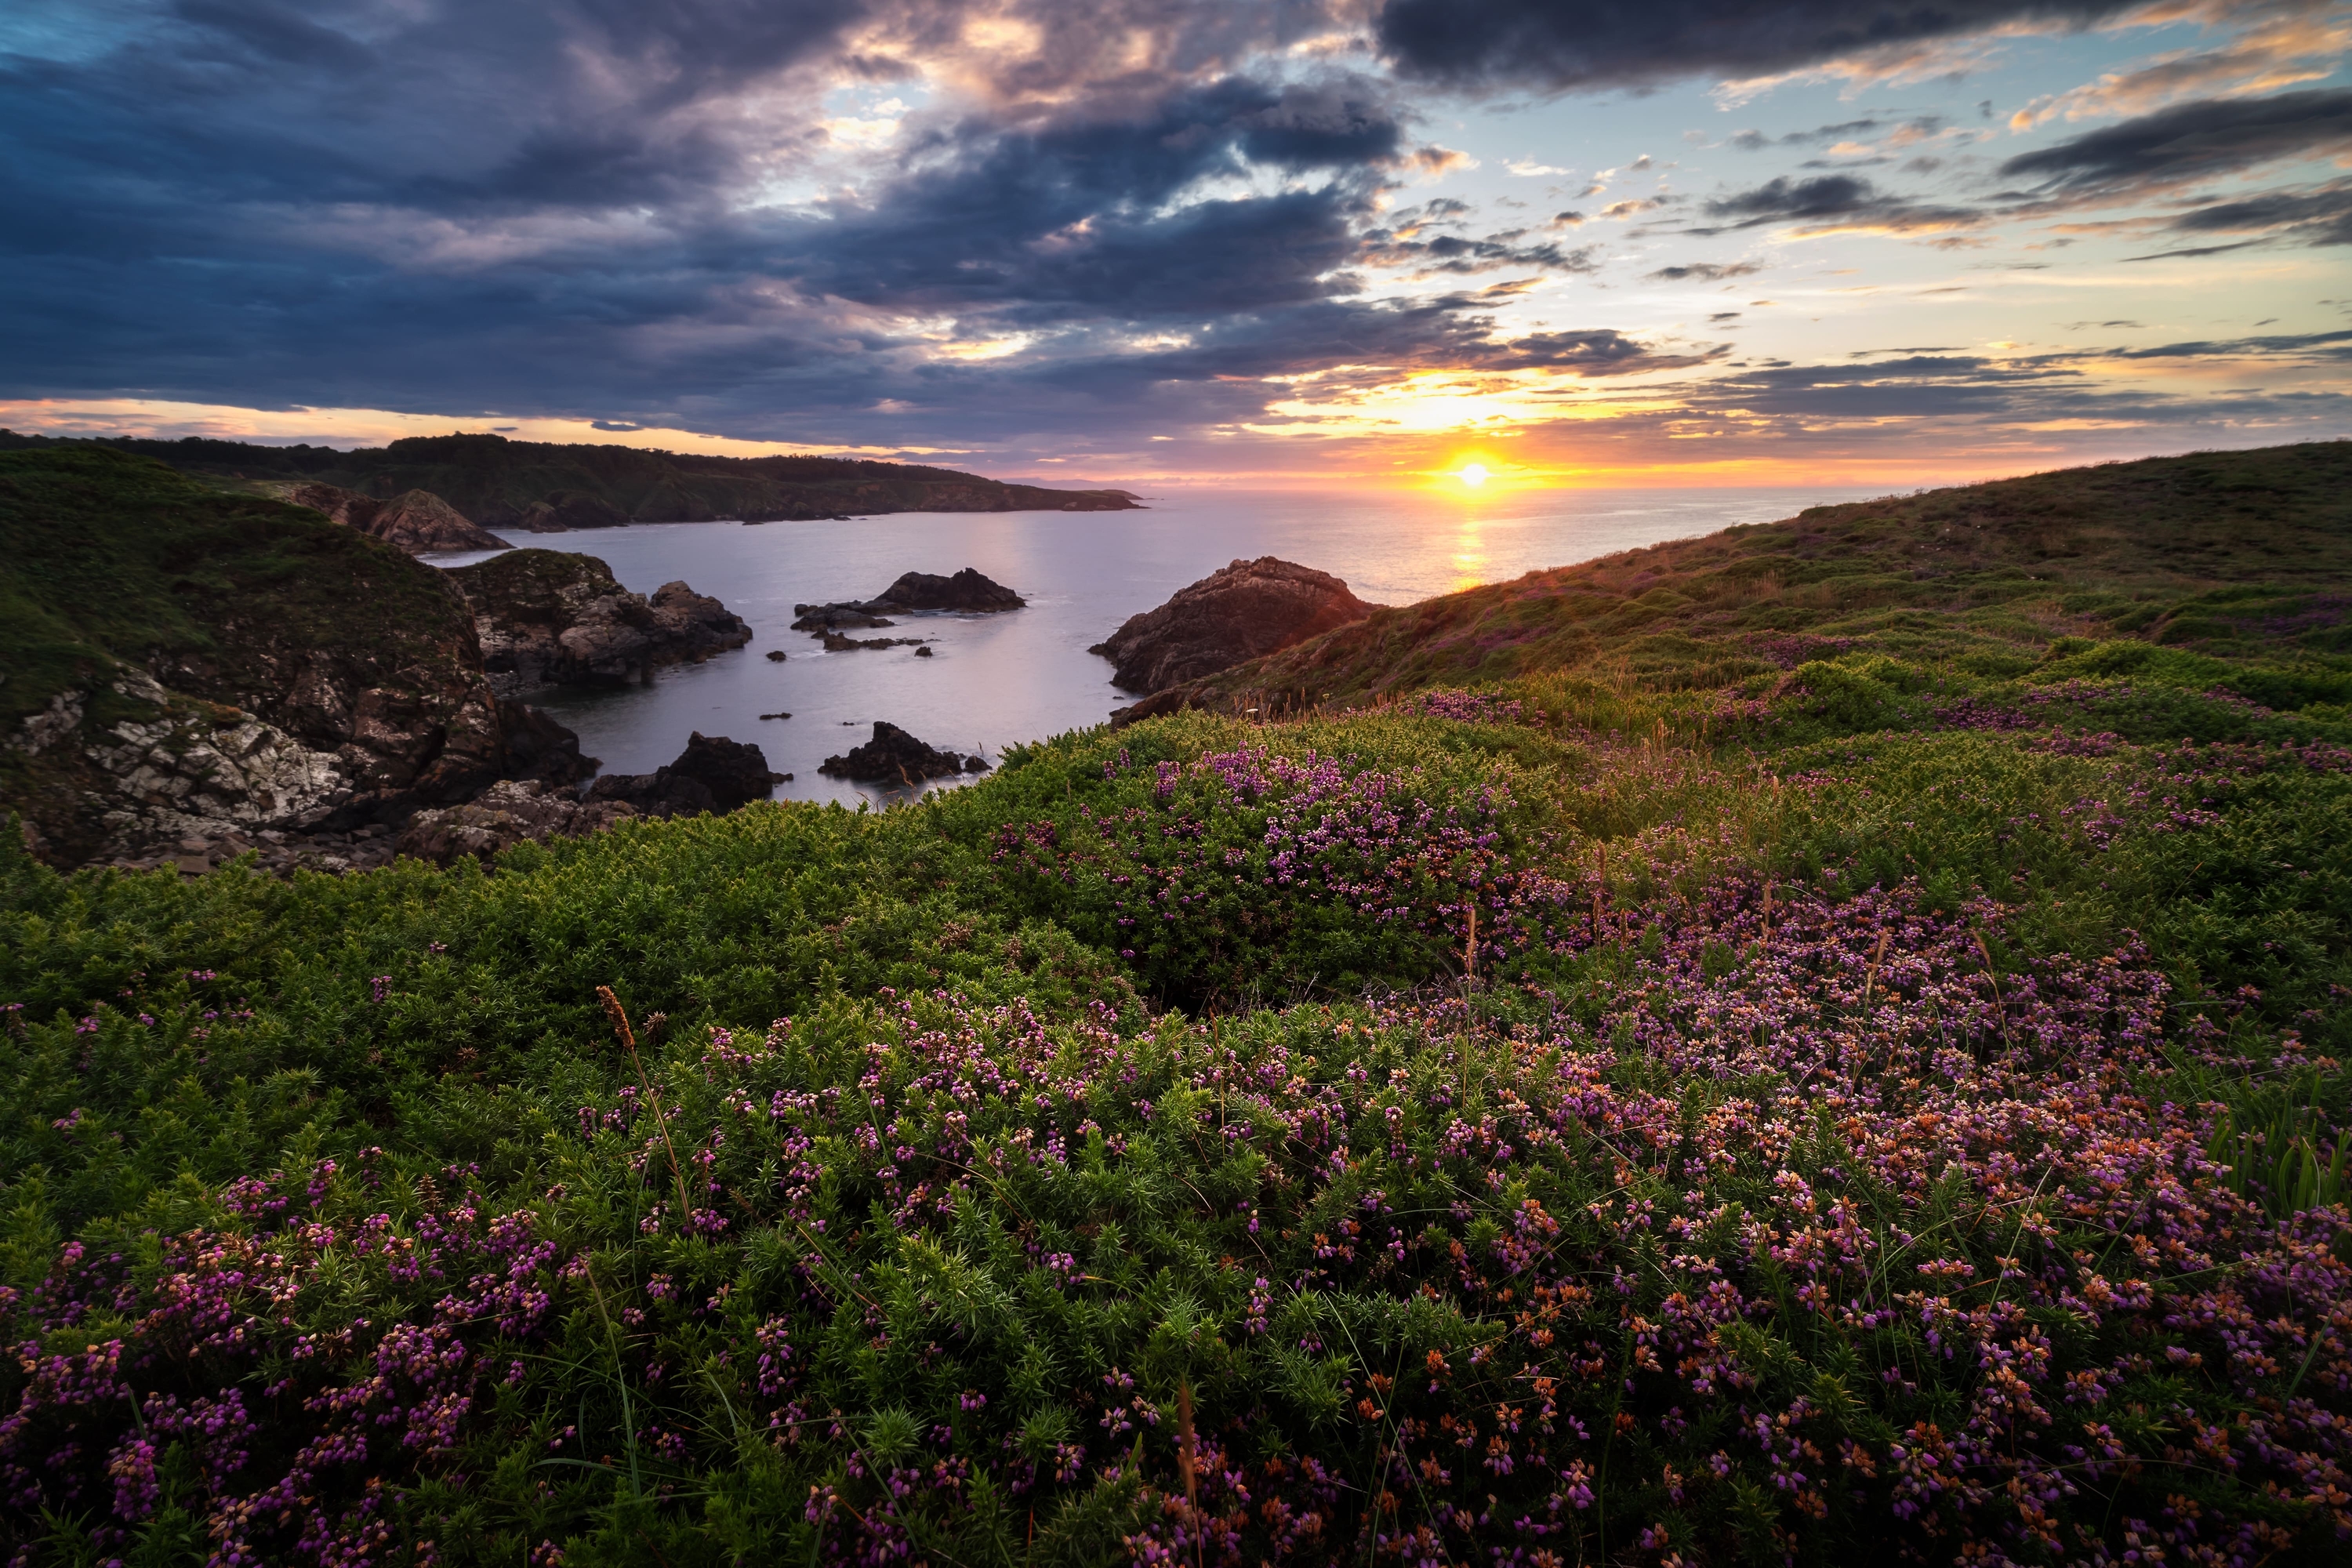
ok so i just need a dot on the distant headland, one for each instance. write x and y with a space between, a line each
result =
539 487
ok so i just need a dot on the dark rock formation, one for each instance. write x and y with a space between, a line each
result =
507 814
835 643
775 655
539 748
967 593
414 521
893 756
546 618
1248 609
824 618
713 773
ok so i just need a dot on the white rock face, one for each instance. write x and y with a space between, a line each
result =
195 770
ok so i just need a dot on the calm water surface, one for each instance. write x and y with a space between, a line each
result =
996 679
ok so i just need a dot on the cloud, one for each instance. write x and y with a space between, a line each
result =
2190 142
2278 48
1482 45
1832 203
1457 254
1701 273
2319 216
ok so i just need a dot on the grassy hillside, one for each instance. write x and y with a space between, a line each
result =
498 483
1894 1113
2232 553
108 559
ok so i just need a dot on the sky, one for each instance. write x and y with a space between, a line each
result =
1316 242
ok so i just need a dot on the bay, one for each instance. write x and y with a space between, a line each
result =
993 680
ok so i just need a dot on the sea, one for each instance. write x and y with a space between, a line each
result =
1025 675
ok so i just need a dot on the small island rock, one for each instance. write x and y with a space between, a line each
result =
713 773
893 756
967 593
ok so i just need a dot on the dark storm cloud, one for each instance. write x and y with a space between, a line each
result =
1547 44
2187 142
534 207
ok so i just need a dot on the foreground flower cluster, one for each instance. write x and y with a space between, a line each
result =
1775 1223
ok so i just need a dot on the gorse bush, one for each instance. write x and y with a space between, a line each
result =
1916 1136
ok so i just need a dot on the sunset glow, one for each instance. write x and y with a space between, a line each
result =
1261 245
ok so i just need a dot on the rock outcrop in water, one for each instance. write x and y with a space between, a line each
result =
967 593
548 618
1246 610
893 756
713 773
415 520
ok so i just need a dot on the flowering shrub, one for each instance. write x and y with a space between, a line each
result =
1920 1144
1243 868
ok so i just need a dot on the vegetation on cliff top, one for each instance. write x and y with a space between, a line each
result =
1896 1111
2233 553
108 559
497 483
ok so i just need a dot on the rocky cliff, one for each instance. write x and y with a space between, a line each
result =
178 664
414 521
1246 610
548 618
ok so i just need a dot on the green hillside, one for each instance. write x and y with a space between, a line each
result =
2235 554
1845 1070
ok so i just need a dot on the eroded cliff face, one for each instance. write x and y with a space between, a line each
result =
415 520
544 617
186 665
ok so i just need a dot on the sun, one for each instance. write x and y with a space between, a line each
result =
1473 473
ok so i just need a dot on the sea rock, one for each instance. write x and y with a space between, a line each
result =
966 592
835 643
713 773
509 813
1246 610
548 618
893 756
539 748
414 521
822 618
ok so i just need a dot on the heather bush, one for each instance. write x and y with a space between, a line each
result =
1921 1140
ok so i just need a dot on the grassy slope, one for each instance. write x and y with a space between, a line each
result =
1020 1221
2212 552
492 480
106 557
